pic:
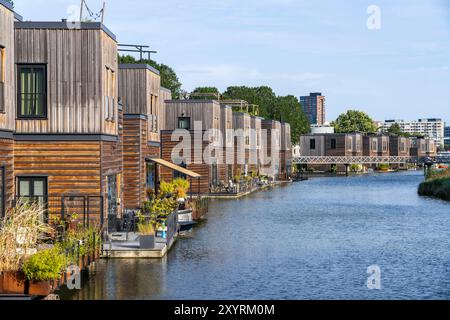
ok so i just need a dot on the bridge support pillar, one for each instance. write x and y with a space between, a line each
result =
346 169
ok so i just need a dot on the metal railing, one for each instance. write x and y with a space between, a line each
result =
85 210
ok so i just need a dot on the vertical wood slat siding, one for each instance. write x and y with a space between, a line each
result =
133 171
7 41
76 65
208 112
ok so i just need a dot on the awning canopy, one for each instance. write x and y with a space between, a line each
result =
174 167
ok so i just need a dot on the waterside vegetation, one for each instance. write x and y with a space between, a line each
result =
436 185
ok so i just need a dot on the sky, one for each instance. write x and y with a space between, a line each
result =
400 70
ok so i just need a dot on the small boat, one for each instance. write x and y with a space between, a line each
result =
185 220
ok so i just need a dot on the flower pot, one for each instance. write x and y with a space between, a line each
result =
41 288
147 242
13 282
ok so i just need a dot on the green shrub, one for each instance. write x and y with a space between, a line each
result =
44 265
439 188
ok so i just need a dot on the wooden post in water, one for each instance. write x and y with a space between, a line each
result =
346 169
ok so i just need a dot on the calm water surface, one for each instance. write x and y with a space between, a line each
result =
307 240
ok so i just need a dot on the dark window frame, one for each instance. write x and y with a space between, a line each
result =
312 144
184 119
42 66
333 144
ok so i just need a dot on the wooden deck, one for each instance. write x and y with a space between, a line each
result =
131 250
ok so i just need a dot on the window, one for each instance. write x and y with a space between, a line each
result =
374 145
2 64
33 189
312 144
110 94
180 175
333 144
184 123
32 91
2 79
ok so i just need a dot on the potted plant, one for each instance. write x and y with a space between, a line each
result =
21 231
181 187
146 231
42 270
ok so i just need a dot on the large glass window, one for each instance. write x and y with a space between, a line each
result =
32 91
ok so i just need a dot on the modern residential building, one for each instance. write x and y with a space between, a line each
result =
314 108
447 136
422 147
67 148
432 128
7 103
376 145
143 99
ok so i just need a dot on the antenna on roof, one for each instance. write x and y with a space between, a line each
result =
92 15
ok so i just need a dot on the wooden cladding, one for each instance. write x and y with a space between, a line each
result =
167 145
206 112
77 82
71 167
7 160
135 150
7 82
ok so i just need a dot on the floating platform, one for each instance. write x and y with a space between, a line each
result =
131 250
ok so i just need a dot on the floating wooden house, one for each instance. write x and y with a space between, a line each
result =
143 100
423 147
255 144
241 126
7 104
200 122
285 151
271 146
67 142
226 127
376 145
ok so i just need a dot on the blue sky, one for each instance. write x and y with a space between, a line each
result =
294 46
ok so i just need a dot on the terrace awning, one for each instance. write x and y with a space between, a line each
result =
174 167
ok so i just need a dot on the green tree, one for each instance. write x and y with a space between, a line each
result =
395 129
10 1
354 121
205 90
169 78
287 109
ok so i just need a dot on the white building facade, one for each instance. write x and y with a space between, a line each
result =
431 128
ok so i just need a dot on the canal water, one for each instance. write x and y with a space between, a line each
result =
307 240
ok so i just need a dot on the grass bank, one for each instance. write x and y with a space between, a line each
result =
437 185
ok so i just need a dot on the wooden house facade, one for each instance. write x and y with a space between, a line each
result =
423 147
376 145
7 104
226 169
199 120
285 151
143 99
241 127
67 114
271 146
255 144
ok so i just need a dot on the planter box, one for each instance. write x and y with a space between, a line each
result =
147 242
12 282
41 288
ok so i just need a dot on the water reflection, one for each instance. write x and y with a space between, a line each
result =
313 239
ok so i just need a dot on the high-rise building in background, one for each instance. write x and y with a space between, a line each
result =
447 136
431 128
314 107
